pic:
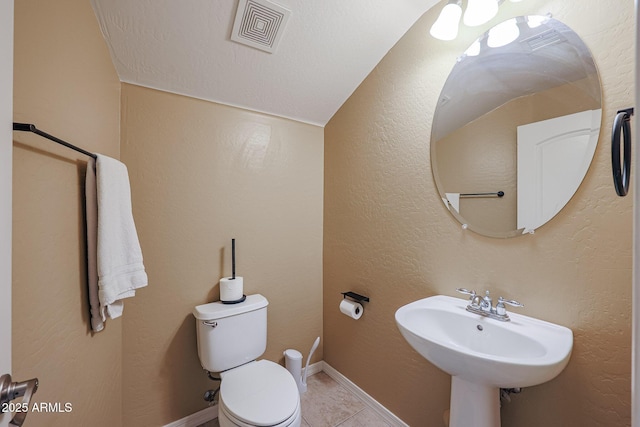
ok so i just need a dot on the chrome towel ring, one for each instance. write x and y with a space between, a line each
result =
621 170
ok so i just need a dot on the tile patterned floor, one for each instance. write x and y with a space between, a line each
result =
327 404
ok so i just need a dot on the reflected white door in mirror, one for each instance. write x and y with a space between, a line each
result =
553 156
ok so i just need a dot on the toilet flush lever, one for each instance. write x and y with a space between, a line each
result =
211 323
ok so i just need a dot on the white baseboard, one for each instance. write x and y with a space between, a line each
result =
211 412
314 368
369 401
196 419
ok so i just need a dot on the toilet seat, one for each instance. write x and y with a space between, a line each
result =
260 393
225 419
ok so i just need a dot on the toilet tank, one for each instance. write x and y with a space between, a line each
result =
230 335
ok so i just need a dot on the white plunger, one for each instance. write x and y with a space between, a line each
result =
303 383
293 363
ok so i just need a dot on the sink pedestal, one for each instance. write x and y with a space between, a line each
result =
473 404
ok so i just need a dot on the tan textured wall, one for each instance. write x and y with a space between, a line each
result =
202 174
64 82
388 235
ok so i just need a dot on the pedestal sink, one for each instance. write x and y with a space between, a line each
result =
482 354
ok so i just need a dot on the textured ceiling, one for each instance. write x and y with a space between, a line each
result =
327 49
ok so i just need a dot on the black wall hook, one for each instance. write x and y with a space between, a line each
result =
621 171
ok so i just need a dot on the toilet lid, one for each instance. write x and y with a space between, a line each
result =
261 393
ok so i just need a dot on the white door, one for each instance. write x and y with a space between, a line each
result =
553 158
6 147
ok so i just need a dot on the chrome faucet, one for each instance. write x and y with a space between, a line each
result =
476 300
487 303
484 305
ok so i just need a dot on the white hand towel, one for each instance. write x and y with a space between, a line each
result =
91 212
119 257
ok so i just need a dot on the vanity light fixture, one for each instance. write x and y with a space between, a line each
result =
446 26
478 12
503 34
535 21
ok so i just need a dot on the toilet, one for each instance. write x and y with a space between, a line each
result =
253 392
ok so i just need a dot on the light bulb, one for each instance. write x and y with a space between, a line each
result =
503 33
446 26
480 11
535 21
474 49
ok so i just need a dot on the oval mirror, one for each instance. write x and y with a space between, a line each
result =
516 126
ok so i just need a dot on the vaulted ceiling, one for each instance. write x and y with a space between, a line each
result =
326 50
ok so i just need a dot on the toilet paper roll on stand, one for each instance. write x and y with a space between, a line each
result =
351 308
231 289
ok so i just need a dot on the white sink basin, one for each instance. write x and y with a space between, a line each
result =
483 354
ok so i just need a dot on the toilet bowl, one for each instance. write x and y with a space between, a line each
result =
253 393
260 393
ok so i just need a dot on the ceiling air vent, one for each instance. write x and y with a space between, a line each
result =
544 39
260 24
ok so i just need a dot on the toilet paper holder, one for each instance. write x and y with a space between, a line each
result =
356 297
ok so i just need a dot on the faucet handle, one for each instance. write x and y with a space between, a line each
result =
510 302
500 308
472 294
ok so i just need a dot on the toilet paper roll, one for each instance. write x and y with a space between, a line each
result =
231 289
351 308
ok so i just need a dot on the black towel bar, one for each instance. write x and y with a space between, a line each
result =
27 127
496 194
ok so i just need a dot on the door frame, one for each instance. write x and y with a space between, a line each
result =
6 160
635 318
